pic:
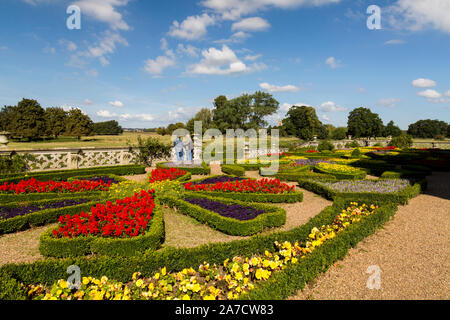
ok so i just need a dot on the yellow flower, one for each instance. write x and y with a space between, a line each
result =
186 297
239 276
139 283
196 287
86 281
164 271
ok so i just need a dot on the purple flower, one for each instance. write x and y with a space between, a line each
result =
105 179
214 180
366 186
235 211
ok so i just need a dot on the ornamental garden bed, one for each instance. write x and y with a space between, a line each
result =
129 226
385 190
248 272
172 174
229 216
107 178
249 190
202 169
340 171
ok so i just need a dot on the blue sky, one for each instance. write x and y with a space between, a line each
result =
150 63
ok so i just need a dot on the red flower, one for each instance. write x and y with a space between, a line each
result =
35 186
273 186
162 174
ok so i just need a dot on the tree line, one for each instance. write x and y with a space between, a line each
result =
29 121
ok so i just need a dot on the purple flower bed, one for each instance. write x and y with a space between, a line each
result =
105 179
234 211
11 212
214 180
367 186
312 162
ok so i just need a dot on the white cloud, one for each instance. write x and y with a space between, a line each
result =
274 88
252 57
447 93
50 50
333 63
417 15
182 113
251 24
69 45
105 11
164 44
236 37
234 9
394 41
388 102
138 117
423 83
286 106
330 106
157 66
106 114
189 50
221 62
192 28
325 117
430 94
117 104
361 90
91 73
87 102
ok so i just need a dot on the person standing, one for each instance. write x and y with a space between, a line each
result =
188 145
178 145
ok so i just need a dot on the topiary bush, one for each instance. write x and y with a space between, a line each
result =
403 142
325 146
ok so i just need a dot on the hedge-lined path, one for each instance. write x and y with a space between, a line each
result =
22 246
412 251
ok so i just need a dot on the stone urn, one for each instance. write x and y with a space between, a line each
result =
4 139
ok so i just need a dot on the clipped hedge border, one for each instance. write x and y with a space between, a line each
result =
233 169
203 170
65 174
292 197
400 198
273 216
42 217
346 176
8 198
257 166
265 172
81 246
114 176
295 276
294 177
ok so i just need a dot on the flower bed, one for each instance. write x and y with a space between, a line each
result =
109 178
264 190
228 216
235 278
340 171
384 190
233 169
162 174
126 227
203 169
35 186
217 179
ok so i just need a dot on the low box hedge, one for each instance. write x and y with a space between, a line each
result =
8 198
401 197
175 259
292 197
81 246
113 176
263 171
294 177
233 169
274 216
66 174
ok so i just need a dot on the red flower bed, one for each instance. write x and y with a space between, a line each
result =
312 151
126 218
35 186
162 174
385 148
273 186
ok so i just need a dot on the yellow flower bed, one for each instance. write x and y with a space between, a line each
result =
293 158
337 168
209 282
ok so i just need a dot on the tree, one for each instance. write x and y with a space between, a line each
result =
174 126
161 131
6 115
244 112
78 124
391 130
339 133
204 116
428 128
55 121
403 141
363 123
149 150
27 120
323 133
108 128
302 122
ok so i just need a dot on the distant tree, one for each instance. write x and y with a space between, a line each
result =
403 141
339 133
302 122
174 126
27 120
363 123
262 105
428 128
107 128
391 130
6 115
149 150
330 129
55 121
161 131
323 133
205 116
78 124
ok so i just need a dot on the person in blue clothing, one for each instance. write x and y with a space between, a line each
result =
188 145
178 145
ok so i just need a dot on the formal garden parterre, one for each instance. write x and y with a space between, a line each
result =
126 260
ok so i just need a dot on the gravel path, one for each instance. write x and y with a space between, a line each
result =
413 252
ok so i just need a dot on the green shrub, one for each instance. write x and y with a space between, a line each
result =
403 142
80 246
353 144
274 217
325 145
356 153
14 163
291 197
233 169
